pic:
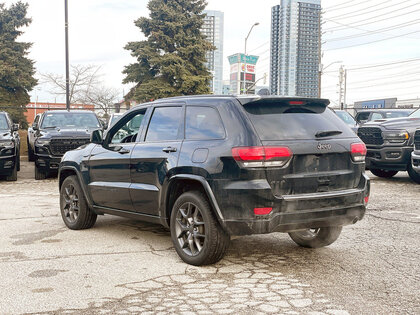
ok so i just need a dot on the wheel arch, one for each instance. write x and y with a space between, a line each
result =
177 185
66 171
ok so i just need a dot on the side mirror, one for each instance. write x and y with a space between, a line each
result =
15 127
35 126
104 124
96 137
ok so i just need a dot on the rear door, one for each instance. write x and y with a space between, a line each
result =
320 143
155 157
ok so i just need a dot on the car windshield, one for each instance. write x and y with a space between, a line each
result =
396 114
70 120
346 117
3 123
416 114
114 119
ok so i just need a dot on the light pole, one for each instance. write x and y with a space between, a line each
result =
321 71
246 38
66 29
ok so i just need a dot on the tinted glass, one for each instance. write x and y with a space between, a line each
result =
363 116
164 124
416 114
114 119
396 114
346 117
70 120
376 116
128 132
203 123
3 122
287 122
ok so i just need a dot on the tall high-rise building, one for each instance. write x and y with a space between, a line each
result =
295 48
213 30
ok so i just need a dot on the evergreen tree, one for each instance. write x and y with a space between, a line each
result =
16 70
170 62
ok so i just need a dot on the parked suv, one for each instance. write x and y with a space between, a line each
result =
9 147
415 155
57 132
208 167
31 138
389 145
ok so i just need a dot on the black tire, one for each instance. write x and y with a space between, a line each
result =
13 176
18 161
209 241
383 173
413 174
31 156
74 209
39 175
316 238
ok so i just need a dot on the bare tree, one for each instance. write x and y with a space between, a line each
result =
83 79
104 98
86 87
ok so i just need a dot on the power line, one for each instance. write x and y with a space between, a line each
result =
375 41
383 64
360 12
371 22
381 30
337 5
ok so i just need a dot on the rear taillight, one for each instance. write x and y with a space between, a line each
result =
262 156
358 152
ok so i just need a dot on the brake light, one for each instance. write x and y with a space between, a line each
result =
358 152
262 156
366 200
262 211
296 103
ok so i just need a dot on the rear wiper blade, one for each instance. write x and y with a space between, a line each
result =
327 133
50 127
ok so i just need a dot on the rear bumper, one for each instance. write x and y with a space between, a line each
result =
415 160
336 208
389 158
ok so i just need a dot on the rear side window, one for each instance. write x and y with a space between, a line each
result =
276 121
164 124
203 123
3 122
376 116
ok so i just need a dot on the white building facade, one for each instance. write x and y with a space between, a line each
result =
213 29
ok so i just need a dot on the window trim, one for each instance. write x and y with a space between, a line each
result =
181 127
220 119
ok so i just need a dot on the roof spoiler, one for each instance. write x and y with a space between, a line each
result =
284 100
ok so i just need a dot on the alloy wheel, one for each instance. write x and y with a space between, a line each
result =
71 206
190 229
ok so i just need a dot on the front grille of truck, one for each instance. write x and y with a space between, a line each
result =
61 146
370 135
417 140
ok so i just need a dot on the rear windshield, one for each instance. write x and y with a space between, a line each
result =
276 121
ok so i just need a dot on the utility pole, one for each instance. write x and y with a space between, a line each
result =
66 29
341 90
345 89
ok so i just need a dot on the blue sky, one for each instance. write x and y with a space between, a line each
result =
99 29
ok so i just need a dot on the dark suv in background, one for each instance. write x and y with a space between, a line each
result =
389 144
9 147
209 167
59 131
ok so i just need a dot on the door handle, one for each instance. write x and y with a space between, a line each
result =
123 151
169 149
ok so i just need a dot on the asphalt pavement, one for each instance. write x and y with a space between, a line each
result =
121 266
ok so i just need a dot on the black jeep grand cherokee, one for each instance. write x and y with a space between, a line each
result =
56 133
9 147
209 167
